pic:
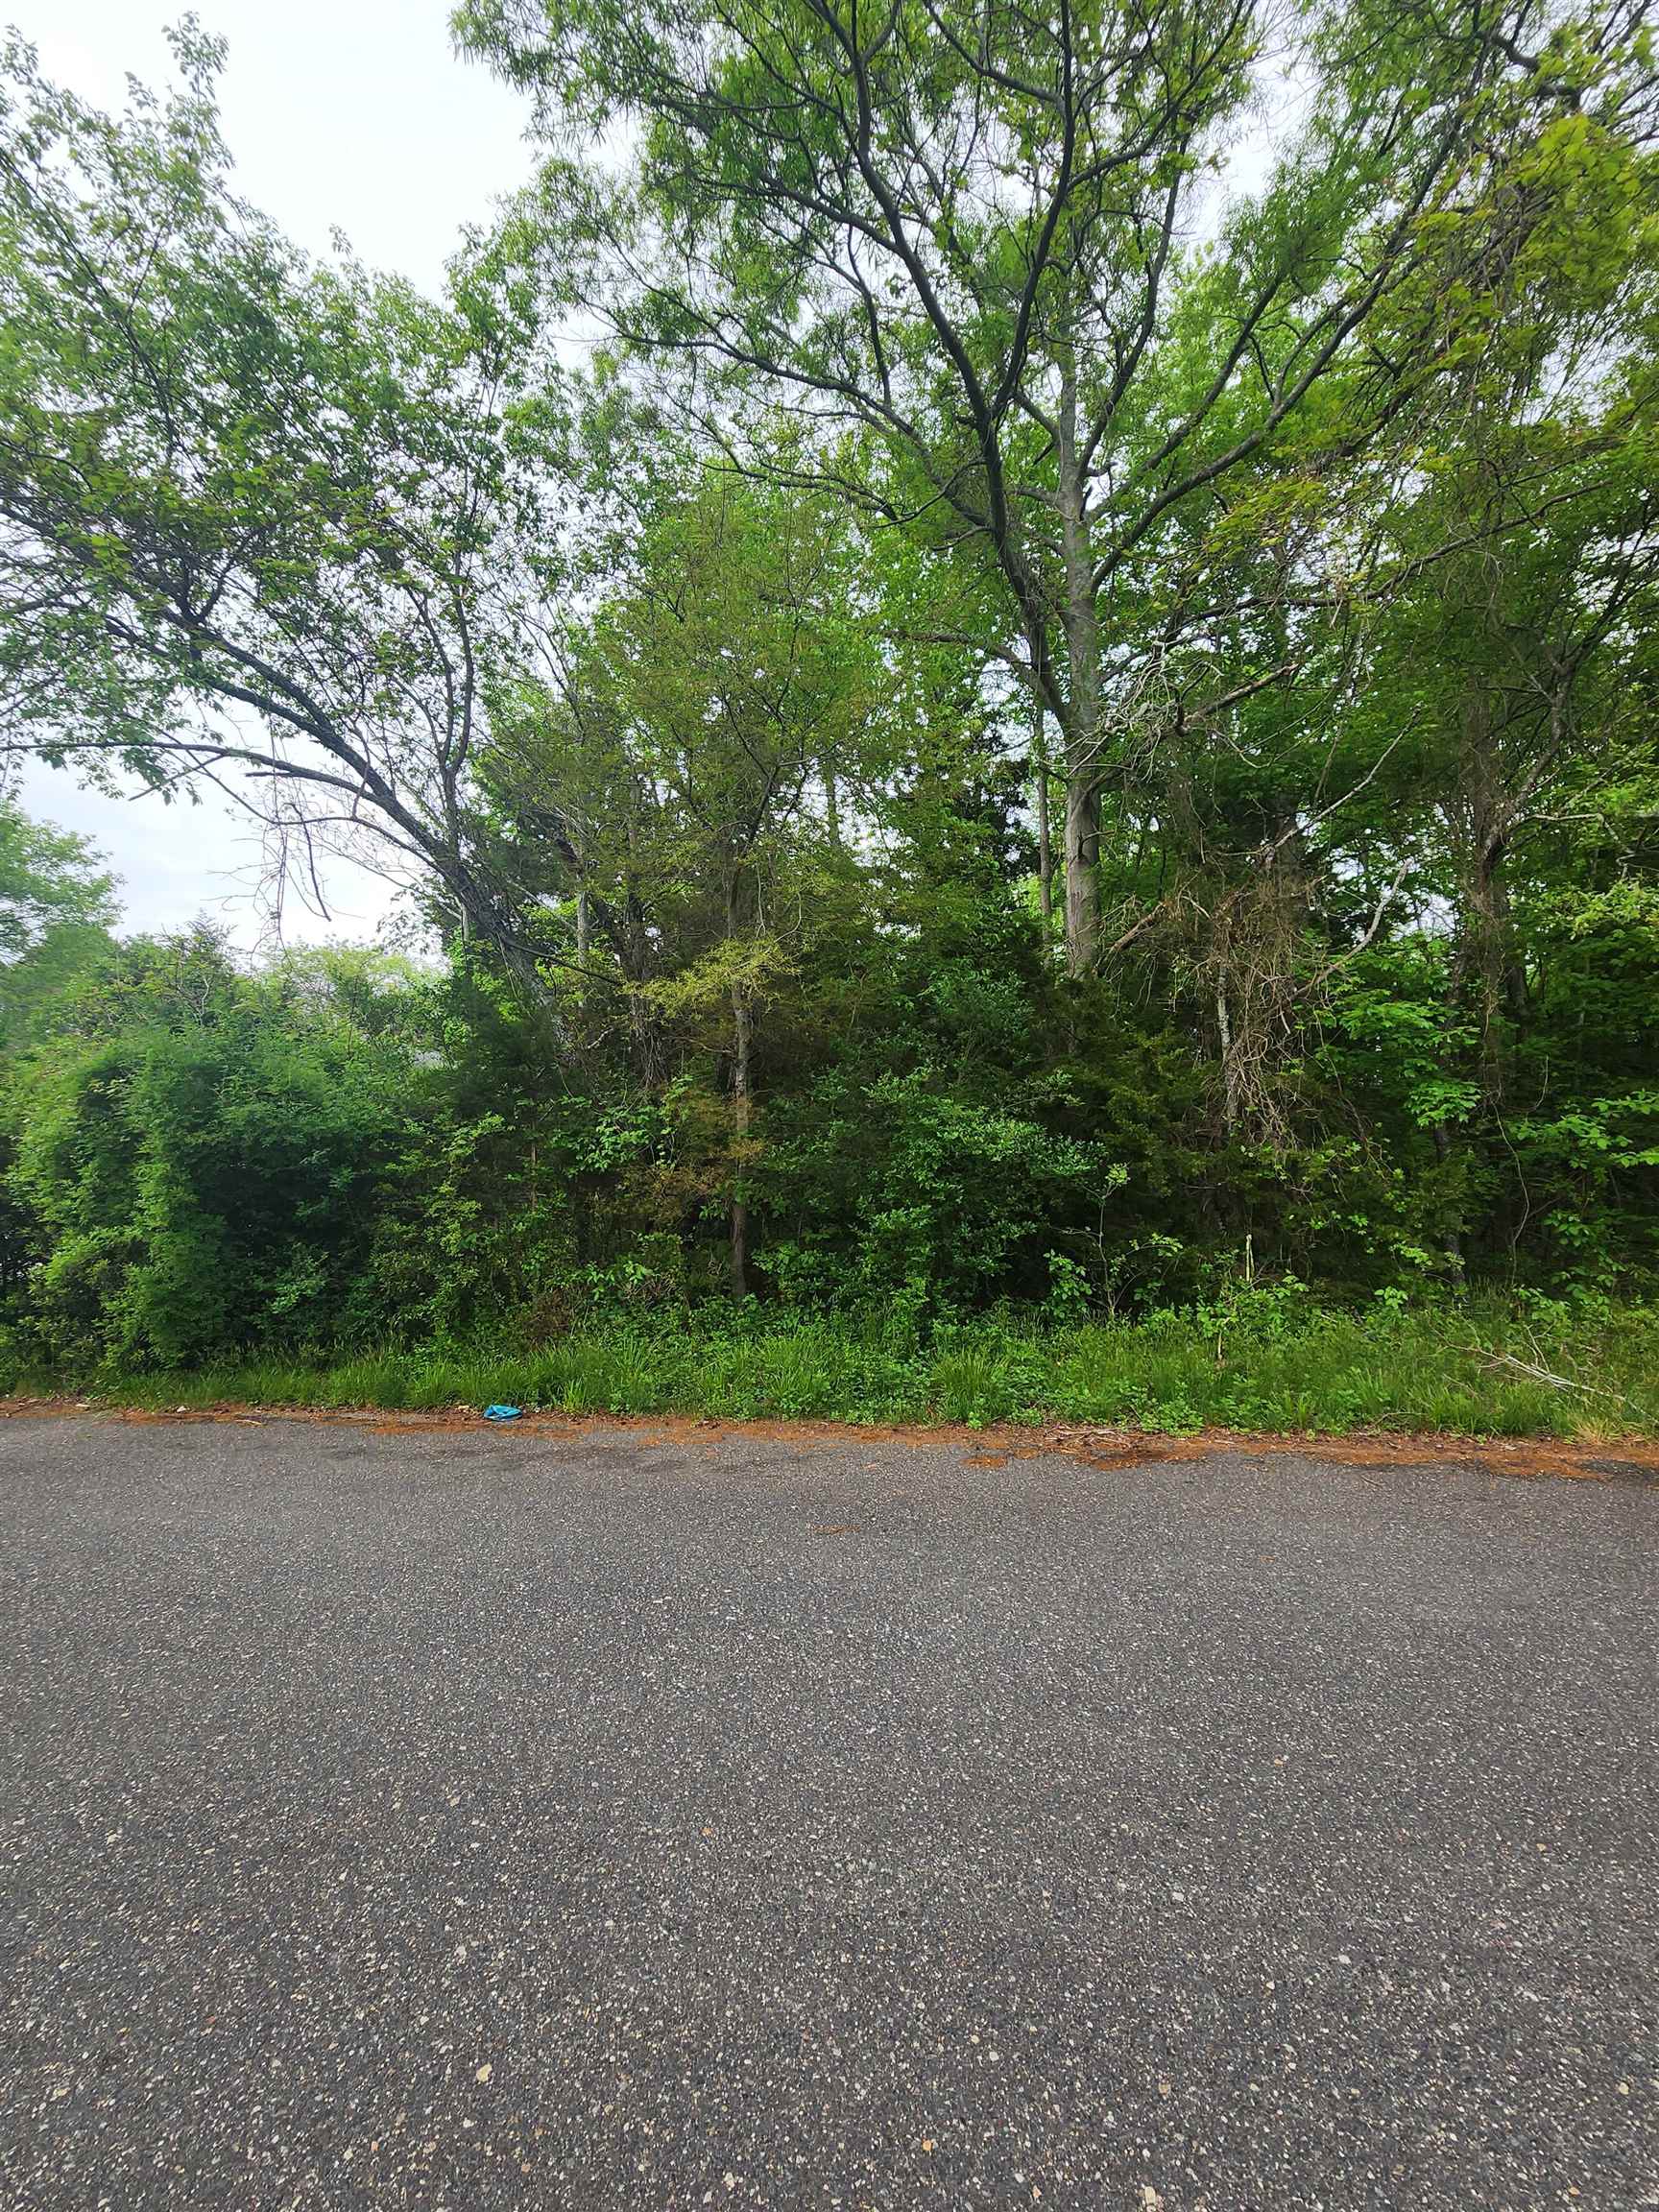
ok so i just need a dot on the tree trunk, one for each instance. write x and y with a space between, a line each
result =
1486 955
1442 1134
742 1044
1501 985
743 1031
1081 626
1082 883
1044 829
1230 1114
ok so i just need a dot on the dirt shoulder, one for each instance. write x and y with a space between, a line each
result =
1595 1459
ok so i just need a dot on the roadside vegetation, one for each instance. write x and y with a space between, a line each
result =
1033 792
1252 1366
330 1180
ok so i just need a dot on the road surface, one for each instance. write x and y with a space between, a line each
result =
674 1818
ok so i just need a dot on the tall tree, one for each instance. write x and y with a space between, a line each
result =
684 751
261 524
955 240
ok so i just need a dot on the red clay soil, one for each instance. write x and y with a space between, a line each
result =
1593 1459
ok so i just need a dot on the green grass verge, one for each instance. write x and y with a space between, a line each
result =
1266 1363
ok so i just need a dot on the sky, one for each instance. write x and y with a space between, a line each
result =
355 115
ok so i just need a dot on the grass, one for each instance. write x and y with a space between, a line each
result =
1263 1363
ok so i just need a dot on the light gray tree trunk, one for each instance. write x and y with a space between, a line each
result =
1081 625
1045 827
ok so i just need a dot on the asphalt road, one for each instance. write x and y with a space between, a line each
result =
487 1819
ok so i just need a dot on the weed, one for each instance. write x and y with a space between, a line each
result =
1261 1364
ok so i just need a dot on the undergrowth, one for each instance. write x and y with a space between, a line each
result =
1260 1361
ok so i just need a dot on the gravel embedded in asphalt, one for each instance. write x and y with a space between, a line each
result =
461 1820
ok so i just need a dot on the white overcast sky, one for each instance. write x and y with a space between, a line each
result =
342 114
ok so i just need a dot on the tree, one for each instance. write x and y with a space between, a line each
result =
262 524
690 753
57 910
50 879
962 246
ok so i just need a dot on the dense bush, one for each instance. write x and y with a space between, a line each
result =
200 1159
208 1159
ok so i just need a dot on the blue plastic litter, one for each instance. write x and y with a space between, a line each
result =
501 1412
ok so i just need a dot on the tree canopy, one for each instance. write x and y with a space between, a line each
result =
1063 704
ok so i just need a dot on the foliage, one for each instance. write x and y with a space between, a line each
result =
195 1155
1275 1366
56 909
261 522
1038 792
